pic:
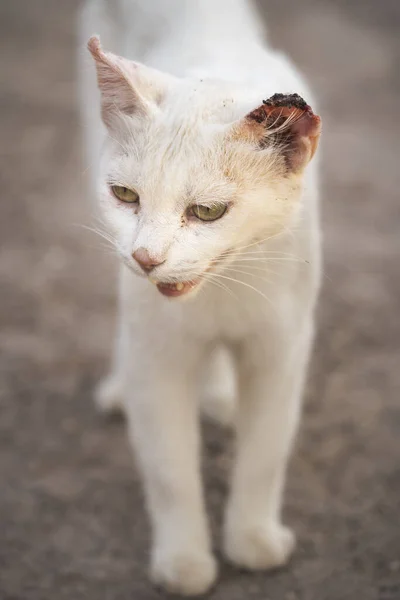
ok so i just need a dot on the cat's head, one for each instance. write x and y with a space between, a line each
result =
189 176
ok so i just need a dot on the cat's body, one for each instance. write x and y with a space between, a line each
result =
179 142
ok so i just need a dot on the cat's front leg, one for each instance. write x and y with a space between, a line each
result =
110 392
271 374
162 417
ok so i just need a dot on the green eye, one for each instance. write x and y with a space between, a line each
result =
209 213
125 194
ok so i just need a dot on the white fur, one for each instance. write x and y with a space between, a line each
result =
258 306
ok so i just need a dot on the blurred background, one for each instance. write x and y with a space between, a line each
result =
72 523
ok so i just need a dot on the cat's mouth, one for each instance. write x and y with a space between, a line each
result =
173 290
181 288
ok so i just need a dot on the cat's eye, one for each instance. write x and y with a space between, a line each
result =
209 213
125 194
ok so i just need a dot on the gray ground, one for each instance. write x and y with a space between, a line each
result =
72 521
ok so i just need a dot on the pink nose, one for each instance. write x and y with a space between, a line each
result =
145 260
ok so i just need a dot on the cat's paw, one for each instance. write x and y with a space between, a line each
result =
267 546
189 573
108 395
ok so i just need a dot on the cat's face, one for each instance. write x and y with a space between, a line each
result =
187 182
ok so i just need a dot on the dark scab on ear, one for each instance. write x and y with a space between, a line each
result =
288 101
286 122
265 113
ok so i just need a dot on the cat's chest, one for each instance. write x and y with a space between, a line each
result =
228 314
251 304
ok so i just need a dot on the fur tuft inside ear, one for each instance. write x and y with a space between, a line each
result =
286 122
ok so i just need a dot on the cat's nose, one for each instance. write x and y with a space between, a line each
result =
145 260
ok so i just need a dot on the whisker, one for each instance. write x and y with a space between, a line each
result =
262 259
258 252
220 285
259 269
106 236
246 285
254 274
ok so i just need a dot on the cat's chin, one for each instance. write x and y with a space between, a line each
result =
176 290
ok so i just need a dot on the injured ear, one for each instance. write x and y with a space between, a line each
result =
286 123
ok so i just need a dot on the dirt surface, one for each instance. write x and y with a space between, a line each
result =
72 524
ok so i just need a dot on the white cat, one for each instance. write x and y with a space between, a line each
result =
211 203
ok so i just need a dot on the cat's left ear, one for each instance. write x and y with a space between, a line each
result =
287 124
126 87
